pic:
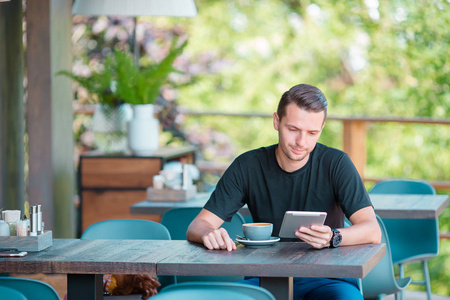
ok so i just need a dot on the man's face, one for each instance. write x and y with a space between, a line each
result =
298 133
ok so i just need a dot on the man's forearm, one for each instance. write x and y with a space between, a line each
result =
197 229
367 232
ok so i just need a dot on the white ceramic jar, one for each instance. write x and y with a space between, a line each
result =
4 228
143 131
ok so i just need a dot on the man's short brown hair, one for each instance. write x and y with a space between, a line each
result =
306 97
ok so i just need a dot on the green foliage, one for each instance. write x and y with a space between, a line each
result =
142 85
120 80
98 85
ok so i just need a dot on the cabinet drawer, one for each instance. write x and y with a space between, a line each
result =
118 172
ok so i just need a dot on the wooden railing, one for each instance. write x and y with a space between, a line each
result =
354 136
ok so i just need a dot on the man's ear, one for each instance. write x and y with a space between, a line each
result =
276 121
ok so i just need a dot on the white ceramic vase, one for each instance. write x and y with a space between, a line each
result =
143 130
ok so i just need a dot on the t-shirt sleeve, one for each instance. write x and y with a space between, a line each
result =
349 187
229 195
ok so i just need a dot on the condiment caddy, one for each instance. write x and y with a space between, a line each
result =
25 234
172 185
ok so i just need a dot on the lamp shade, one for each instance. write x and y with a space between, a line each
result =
132 8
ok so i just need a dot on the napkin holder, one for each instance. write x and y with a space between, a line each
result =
171 195
28 243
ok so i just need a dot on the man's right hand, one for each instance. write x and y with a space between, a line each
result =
218 239
205 229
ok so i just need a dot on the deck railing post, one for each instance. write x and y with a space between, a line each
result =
355 132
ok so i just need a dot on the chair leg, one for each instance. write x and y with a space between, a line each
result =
426 275
401 268
360 286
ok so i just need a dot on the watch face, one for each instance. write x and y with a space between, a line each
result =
336 239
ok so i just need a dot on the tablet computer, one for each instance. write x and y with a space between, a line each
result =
294 219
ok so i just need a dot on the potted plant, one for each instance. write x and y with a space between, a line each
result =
140 87
111 115
121 83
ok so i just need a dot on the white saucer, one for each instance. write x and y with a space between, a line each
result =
269 242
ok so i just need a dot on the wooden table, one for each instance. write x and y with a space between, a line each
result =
409 206
386 206
85 261
160 207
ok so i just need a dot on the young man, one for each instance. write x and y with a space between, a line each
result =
296 174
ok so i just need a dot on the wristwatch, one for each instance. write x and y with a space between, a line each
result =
336 238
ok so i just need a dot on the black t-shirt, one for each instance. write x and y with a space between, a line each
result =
328 182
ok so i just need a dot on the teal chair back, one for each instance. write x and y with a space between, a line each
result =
177 221
130 229
411 239
201 294
381 280
11 294
30 289
403 186
426 231
213 290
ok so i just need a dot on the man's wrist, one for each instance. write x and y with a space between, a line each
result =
336 238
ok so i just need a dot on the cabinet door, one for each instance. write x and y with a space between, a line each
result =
101 205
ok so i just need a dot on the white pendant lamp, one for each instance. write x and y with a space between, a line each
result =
131 8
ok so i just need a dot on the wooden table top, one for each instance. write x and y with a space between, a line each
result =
409 206
284 259
386 206
160 207
162 257
74 256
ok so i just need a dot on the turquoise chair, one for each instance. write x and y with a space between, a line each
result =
30 289
130 229
177 221
381 279
412 240
11 294
213 290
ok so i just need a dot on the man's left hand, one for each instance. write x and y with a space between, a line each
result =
318 236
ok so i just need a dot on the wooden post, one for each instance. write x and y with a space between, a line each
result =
12 157
355 143
49 113
84 286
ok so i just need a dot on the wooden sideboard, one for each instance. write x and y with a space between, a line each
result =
110 184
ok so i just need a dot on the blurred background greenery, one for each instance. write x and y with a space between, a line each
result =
370 58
